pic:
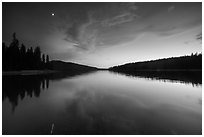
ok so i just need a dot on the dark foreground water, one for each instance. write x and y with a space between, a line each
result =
100 102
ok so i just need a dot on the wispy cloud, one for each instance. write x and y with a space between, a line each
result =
120 19
171 8
122 22
84 34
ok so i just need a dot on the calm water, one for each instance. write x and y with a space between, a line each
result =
100 103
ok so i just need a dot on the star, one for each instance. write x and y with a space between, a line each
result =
53 14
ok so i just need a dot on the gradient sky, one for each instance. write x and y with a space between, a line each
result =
106 34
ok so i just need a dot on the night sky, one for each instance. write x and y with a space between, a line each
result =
105 34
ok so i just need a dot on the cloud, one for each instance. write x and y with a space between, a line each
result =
171 8
65 55
116 23
120 19
127 13
83 32
79 46
72 33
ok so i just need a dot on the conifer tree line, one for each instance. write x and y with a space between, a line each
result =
190 62
17 57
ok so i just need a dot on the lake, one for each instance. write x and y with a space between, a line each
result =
100 103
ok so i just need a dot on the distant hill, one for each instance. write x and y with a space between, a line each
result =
193 62
70 67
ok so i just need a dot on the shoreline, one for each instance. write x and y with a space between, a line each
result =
157 70
27 72
40 72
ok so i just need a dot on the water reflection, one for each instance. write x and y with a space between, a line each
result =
100 103
17 87
186 77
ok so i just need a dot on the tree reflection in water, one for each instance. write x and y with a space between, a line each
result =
17 87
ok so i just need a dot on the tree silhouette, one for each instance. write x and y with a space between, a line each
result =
14 54
47 59
47 62
23 56
43 58
37 57
20 58
4 56
43 61
23 86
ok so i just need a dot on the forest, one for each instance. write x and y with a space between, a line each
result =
190 62
16 57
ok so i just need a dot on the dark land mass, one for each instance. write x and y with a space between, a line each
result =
58 65
66 69
183 63
55 67
187 69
